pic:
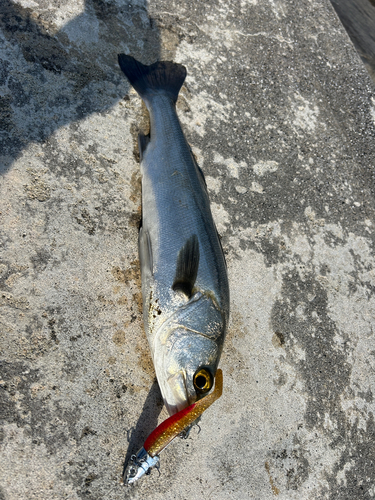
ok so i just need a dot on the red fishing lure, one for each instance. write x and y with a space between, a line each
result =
175 424
148 456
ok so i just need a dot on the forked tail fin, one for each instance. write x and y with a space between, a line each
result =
162 77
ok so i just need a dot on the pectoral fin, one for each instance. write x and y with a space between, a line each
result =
187 267
145 252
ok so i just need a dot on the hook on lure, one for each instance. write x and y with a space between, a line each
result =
148 456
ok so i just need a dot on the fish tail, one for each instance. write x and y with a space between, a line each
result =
162 77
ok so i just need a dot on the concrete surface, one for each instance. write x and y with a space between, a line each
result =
280 112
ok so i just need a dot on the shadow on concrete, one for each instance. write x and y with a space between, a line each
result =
50 78
147 421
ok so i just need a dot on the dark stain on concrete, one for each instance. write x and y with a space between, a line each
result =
360 454
132 273
119 337
144 357
295 185
41 259
292 463
325 371
83 217
136 184
275 489
278 339
33 413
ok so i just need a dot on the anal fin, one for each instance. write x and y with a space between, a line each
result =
187 267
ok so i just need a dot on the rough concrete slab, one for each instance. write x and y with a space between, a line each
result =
281 114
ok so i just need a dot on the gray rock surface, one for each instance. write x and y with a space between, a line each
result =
280 113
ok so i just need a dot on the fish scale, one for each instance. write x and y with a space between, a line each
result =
174 177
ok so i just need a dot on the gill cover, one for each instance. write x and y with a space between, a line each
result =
184 345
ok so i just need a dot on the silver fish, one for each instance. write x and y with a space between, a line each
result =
184 278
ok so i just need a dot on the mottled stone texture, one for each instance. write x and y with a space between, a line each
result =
280 113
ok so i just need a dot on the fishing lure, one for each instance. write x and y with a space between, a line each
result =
148 456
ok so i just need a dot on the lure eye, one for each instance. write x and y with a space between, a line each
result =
202 381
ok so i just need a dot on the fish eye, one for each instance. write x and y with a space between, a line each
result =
202 380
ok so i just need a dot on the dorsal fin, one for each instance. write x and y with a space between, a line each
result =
187 267
143 141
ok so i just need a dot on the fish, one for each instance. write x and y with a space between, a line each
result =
184 276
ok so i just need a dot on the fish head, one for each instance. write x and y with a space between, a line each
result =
187 369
